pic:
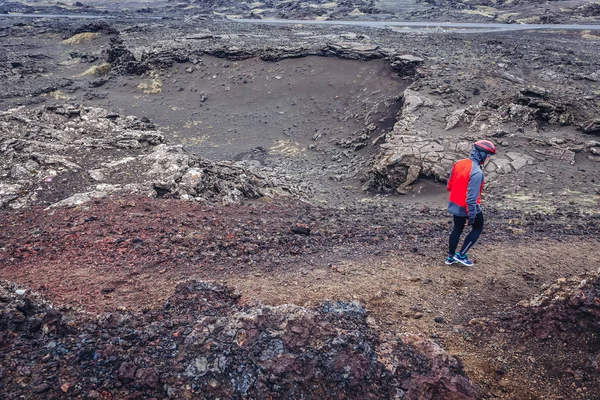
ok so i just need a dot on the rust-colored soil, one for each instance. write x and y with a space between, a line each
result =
130 253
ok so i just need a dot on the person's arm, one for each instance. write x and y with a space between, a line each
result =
449 184
473 191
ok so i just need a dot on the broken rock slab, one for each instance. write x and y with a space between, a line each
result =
558 153
405 63
405 158
518 160
591 127
354 50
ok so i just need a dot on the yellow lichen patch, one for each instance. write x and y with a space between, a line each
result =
356 12
83 37
57 95
152 85
479 12
589 35
534 203
322 6
506 16
256 4
332 4
190 124
520 197
491 82
375 199
97 70
487 9
530 20
287 148
195 141
71 61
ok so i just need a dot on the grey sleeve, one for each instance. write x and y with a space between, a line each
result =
473 192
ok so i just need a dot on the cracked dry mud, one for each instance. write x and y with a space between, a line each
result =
301 165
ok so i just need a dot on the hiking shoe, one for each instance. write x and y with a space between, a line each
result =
464 260
450 260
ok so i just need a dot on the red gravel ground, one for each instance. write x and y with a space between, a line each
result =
130 253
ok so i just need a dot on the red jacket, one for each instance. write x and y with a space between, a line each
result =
465 185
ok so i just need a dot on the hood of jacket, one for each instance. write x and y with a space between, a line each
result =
478 155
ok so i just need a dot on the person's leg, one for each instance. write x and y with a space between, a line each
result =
459 226
472 237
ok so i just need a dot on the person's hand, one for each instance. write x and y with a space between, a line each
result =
471 221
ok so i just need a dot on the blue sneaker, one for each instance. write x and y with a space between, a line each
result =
464 260
450 260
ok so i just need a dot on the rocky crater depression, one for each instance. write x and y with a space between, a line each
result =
149 166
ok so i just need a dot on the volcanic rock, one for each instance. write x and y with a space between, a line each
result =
77 153
591 127
122 59
406 63
570 306
96 26
207 339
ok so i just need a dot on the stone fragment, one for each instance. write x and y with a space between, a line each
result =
147 377
591 127
19 172
534 91
126 372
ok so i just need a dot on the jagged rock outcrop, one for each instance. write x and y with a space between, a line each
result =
591 127
209 341
570 306
96 26
415 148
66 155
354 51
496 116
122 59
568 310
405 63
558 328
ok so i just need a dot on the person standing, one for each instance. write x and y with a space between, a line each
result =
465 185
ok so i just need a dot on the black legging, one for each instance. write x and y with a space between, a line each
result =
459 226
